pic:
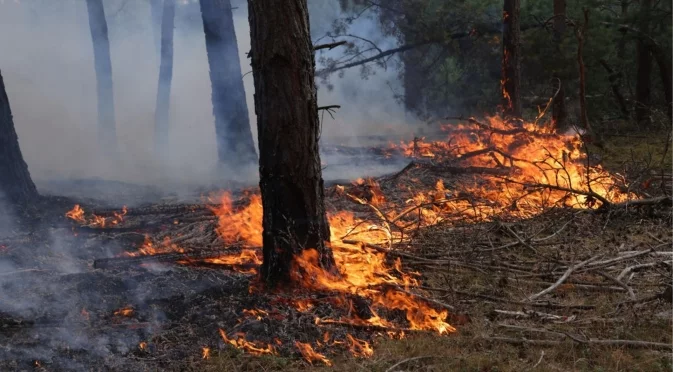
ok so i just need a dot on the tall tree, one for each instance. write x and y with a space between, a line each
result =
161 117
235 146
156 8
107 133
643 65
559 112
16 186
291 183
511 65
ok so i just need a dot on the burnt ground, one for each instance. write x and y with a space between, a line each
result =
57 312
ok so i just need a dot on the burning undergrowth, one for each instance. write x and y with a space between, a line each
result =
209 294
482 172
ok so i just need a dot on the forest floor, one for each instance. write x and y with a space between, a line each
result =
58 312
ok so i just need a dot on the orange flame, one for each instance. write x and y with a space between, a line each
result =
205 353
127 311
359 348
76 214
250 347
311 355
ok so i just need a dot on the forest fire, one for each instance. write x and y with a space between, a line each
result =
516 171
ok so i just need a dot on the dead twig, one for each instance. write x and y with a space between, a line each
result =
329 46
563 278
392 368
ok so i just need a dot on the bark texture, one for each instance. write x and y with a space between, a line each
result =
643 66
16 186
235 145
559 111
107 133
511 65
291 181
161 115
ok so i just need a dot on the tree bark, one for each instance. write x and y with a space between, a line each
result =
581 34
621 45
511 68
643 66
559 20
235 145
559 111
291 180
664 63
161 115
615 77
16 186
107 134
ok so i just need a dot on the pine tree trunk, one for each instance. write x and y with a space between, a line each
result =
16 186
664 63
559 111
107 133
291 181
621 45
156 8
161 115
643 66
235 145
511 68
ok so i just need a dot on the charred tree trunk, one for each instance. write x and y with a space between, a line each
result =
283 67
643 66
235 146
156 8
621 45
161 115
413 96
16 186
615 77
665 72
511 68
559 111
107 134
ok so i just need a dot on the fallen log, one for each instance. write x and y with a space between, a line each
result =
118 262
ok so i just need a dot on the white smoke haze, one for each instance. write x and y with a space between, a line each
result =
47 61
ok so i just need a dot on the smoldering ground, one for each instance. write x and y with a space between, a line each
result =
47 61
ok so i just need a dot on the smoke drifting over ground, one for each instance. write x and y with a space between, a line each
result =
47 62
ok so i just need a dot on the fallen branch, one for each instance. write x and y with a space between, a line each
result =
392 368
626 343
107 263
562 278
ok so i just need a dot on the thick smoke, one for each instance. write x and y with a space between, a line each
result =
47 61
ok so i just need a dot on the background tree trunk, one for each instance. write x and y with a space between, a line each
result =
291 181
235 145
107 134
161 115
643 66
511 67
621 45
16 186
559 111
156 8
